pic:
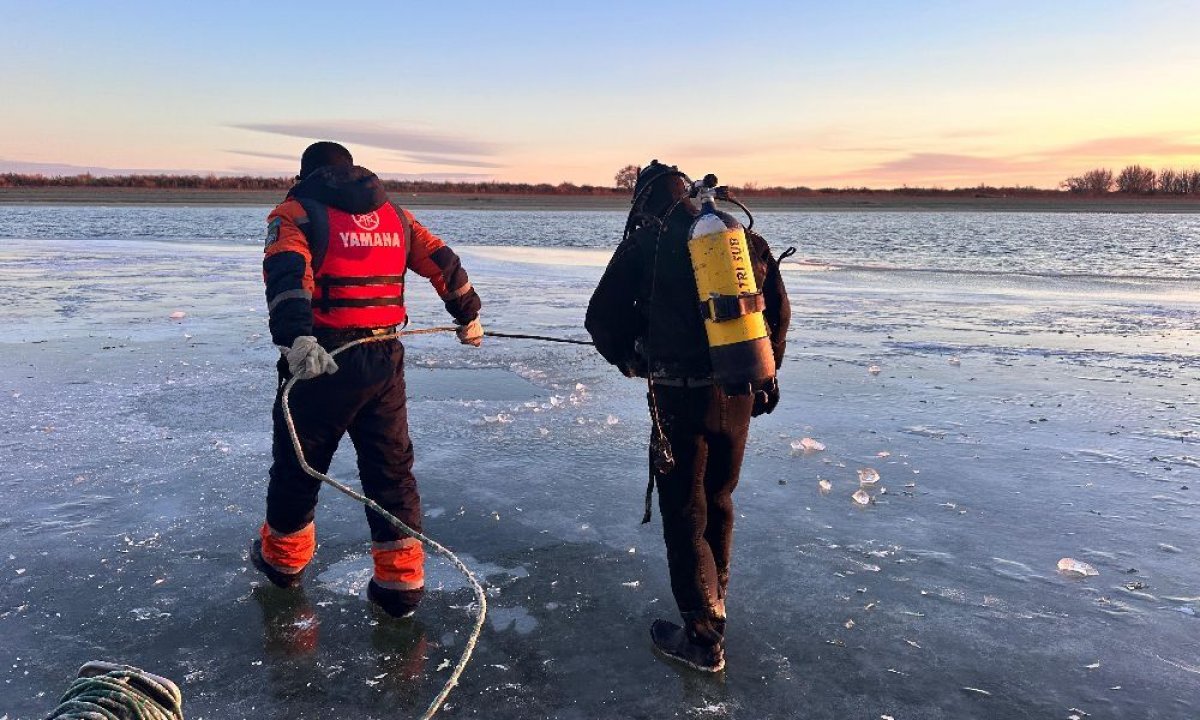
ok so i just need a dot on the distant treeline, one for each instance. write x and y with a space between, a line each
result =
1135 180
1132 180
246 182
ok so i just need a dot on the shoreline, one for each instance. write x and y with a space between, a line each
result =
485 201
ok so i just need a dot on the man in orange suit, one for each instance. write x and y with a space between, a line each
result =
336 254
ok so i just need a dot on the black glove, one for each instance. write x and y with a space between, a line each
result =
766 397
632 366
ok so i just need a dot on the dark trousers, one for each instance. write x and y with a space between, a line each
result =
365 398
707 430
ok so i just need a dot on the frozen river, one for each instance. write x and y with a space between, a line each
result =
1015 418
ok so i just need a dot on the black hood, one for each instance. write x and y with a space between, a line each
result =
355 190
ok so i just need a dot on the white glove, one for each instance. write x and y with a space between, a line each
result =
307 359
471 333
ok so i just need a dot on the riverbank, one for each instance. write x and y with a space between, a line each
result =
485 201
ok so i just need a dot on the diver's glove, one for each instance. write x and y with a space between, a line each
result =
307 359
471 333
766 397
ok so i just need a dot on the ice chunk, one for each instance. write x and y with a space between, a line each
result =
954 360
825 485
874 369
807 445
611 420
862 497
868 476
883 454
178 315
1071 566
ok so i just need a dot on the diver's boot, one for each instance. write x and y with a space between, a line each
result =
397 603
277 577
674 643
717 619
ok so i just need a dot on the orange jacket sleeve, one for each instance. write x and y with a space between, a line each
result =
431 258
288 274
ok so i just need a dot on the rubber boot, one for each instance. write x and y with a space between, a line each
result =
277 578
397 603
687 647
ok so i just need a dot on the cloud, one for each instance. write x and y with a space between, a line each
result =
376 135
51 169
1125 147
430 159
923 167
1024 167
440 176
294 159
866 149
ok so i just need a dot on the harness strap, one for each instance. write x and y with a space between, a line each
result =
720 308
361 280
328 302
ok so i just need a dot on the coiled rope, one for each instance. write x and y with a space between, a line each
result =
480 596
108 691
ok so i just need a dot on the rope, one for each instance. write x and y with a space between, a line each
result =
544 338
480 596
108 691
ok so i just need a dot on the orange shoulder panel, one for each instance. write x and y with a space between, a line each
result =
284 235
421 247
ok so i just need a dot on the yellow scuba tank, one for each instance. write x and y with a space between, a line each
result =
730 299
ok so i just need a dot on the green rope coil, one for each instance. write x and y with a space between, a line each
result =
108 691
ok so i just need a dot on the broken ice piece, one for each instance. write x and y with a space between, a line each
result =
178 315
883 454
954 360
984 693
632 583
849 624
825 485
1093 666
874 369
1078 568
862 497
868 476
807 445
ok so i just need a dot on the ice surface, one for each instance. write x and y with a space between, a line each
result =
132 483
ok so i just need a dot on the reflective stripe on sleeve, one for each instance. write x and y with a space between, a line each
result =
455 294
288 295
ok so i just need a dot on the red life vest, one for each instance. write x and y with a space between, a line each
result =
360 281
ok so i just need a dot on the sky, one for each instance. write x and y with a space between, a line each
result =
819 94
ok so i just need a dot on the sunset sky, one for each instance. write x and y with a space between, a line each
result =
879 94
